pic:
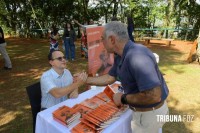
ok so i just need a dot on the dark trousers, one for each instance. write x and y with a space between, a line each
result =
69 48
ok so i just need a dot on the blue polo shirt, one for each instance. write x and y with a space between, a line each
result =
137 70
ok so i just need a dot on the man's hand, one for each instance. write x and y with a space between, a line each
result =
80 78
75 76
74 94
117 99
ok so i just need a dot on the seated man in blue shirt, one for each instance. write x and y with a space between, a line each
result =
57 83
144 88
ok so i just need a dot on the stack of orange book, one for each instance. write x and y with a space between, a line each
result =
81 108
82 128
66 115
103 97
96 118
93 114
93 102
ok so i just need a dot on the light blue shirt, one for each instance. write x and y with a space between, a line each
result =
51 79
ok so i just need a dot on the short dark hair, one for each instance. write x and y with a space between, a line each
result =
51 53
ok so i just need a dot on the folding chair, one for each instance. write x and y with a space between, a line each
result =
34 94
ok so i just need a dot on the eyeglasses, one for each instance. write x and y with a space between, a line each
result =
60 58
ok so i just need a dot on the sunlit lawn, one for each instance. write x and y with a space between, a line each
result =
29 58
183 82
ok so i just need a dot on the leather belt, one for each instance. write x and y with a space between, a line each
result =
146 109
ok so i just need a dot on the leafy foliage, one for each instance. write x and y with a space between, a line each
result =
18 15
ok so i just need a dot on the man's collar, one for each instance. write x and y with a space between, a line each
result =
126 48
55 74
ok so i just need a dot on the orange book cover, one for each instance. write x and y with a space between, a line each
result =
98 114
109 92
65 114
59 121
103 96
94 115
81 108
91 119
112 104
107 111
97 100
89 104
82 128
88 123
92 103
99 111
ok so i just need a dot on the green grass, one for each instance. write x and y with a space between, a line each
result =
183 82
29 58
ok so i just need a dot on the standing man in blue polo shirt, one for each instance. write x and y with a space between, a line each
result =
144 88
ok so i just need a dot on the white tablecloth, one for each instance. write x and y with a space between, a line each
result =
46 124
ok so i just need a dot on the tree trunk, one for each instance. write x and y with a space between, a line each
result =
115 9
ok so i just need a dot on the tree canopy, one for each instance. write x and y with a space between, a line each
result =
25 15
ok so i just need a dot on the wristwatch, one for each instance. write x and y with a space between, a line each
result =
123 99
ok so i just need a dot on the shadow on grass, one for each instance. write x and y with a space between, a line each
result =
17 118
180 127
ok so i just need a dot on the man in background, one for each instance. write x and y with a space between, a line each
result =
8 64
144 88
130 28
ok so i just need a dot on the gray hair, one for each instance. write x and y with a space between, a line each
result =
117 29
